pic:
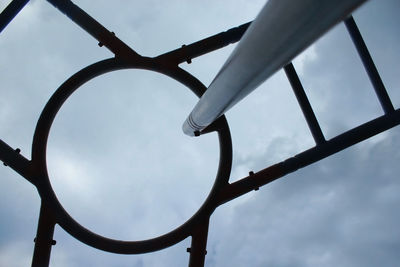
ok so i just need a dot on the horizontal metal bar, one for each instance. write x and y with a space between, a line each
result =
305 105
336 144
9 13
204 46
369 65
281 31
12 158
94 28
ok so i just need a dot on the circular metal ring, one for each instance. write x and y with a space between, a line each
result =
49 197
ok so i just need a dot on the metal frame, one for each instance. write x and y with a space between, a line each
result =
35 170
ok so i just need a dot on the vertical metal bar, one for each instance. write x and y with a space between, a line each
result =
199 244
7 15
304 104
369 65
44 237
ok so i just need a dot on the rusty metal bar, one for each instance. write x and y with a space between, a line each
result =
281 31
310 156
12 158
44 237
199 244
204 46
305 105
369 65
9 13
94 28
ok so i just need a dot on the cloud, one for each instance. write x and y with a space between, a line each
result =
15 254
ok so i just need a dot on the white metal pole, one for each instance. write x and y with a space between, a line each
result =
282 30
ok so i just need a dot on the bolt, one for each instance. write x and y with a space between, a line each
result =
16 150
101 44
53 242
188 59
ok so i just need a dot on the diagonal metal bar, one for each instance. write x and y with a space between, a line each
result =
305 105
12 158
9 13
204 46
369 65
281 31
94 28
330 147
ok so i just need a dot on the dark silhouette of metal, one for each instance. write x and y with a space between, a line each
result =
44 236
35 170
42 182
10 12
304 104
369 65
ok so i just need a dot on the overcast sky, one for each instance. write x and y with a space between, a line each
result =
121 166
